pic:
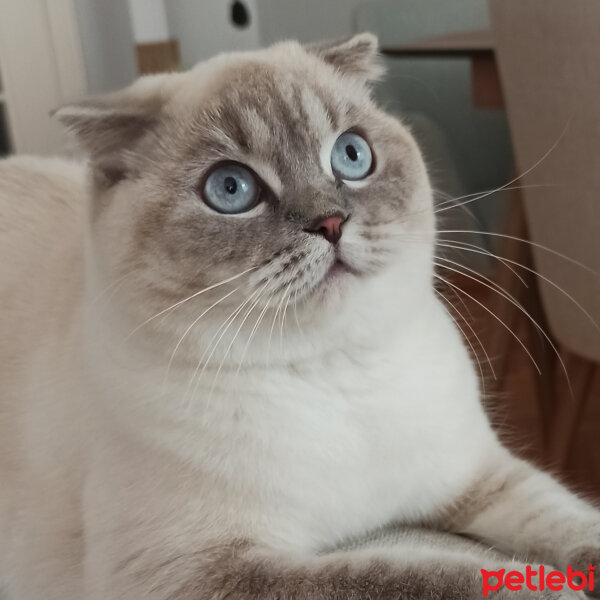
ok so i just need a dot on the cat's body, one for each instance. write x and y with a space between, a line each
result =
133 465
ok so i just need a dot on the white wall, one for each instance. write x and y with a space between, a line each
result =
108 44
310 20
29 74
149 21
203 28
305 20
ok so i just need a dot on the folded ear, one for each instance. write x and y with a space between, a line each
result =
356 56
108 128
103 127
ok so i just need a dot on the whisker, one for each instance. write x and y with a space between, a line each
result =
222 330
465 337
559 288
487 356
478 250
281 324
455 202
493 314
241 325
273 323
450 200
525 173
530 270
194 295
296 313
441 242
530 243
252 333
194 322
504 294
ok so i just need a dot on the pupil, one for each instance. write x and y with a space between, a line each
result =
351 152
230 185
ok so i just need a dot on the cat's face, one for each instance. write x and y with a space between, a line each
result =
271 169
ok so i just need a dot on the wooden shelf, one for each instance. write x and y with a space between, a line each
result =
466 43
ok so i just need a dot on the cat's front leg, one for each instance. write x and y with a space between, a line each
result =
520 509
245 571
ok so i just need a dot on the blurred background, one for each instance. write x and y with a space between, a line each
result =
502 97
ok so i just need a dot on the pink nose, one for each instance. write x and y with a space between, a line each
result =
329 227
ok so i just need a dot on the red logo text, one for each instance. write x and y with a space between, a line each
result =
538 580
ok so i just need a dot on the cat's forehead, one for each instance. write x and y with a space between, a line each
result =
274 92
276 112
264 100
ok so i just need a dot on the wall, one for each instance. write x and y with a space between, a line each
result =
149 21
309 20
30 78
108 44
203 28
305 20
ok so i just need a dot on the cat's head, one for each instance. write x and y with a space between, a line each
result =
272 171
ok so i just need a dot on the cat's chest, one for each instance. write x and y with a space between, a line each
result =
353 443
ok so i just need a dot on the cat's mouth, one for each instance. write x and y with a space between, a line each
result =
338 271
339 268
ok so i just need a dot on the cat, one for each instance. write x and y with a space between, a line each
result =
222 355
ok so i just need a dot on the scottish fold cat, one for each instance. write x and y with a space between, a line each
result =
221 356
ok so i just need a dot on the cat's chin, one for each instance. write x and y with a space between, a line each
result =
332 290
339 268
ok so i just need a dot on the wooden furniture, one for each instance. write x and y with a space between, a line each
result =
156 51
466 43
548 55
158 57
478 46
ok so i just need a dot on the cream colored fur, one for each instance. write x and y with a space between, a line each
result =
115 485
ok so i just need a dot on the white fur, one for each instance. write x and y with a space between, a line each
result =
328 433
344 458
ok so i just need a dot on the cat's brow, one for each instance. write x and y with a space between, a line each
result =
271 116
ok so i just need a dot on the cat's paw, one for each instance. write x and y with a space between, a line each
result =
586 560
527 594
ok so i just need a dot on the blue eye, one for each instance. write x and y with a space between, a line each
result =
231 189
351 157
